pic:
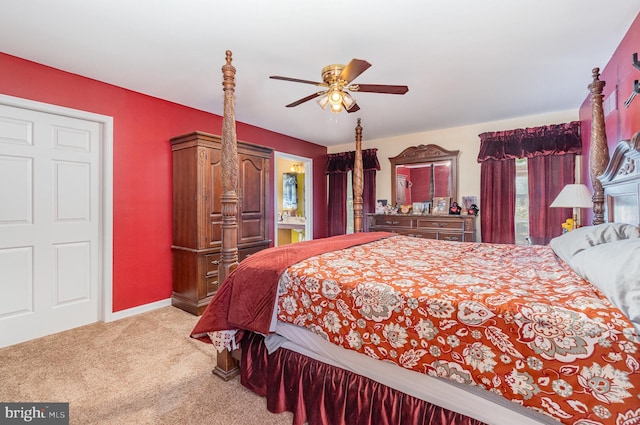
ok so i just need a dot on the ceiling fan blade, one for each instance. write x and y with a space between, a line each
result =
305 99
353 69
297 80
378 88
354 108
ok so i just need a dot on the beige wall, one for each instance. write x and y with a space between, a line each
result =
465 139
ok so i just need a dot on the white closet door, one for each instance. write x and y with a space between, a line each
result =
49 223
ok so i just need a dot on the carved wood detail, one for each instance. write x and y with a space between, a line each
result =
227 366
229 258
358 182
425 151
598 150
624 163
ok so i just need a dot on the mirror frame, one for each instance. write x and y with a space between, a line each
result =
426 154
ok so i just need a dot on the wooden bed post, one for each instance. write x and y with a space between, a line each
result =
226 366
357 182
598 149
229 257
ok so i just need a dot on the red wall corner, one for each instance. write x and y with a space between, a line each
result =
142 198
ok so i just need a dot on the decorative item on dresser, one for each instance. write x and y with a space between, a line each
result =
460 228
197 214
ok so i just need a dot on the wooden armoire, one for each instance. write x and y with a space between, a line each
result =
197 213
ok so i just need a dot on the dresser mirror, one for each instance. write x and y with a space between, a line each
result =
423 172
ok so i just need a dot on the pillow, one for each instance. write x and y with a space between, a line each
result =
614 268
569 244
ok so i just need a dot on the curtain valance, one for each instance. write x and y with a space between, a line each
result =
555 139
342 162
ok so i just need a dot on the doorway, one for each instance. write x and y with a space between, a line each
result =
293 179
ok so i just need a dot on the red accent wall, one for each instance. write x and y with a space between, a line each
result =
619 75
142 128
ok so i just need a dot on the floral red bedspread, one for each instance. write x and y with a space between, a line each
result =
514 320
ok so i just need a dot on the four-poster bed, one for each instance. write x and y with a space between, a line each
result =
538 342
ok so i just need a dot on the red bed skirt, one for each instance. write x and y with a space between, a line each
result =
320 394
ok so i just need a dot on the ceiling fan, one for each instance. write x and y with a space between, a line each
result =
337 80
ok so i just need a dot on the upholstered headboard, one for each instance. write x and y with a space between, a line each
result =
621 183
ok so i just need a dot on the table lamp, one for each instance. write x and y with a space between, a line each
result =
574 196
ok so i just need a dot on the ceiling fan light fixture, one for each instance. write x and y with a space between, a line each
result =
335 97
323 101
336 80
348 100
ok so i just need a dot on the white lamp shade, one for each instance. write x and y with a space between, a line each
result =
573 196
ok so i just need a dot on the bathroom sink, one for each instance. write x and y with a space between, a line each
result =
294 220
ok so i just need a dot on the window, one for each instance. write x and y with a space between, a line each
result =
349 202
522 202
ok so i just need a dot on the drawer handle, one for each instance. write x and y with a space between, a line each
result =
415 236
452 238
393 223
215 262
435 223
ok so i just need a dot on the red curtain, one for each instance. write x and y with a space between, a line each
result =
547 176
337 204
338 165
498 151
320 394
498 201
368 196
555 139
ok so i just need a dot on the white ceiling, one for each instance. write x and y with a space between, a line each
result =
465 61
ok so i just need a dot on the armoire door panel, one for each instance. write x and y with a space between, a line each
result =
185 190
252 184
252 230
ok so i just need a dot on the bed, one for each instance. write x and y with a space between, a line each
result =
377 328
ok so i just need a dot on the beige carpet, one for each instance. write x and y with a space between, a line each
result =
139 370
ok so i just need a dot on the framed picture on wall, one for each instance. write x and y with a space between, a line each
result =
441 205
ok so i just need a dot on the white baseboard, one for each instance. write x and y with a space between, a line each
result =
137 310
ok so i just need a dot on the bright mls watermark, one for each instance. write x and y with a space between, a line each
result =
34 413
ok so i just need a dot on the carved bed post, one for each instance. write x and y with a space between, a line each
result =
357 182
226 366
229 257
598 150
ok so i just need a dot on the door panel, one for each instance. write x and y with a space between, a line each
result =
49 223
252 215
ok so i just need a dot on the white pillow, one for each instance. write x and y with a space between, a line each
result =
569 244
614 268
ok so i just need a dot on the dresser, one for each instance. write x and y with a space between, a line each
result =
197 213
460 228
